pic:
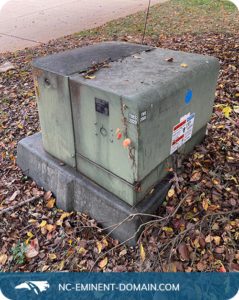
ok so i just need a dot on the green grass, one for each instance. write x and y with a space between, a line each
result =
174 17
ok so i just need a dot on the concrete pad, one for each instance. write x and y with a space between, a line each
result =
43 20
74 191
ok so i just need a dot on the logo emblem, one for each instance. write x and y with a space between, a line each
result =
35 286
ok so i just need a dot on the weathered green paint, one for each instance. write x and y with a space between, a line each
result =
55 112
146 82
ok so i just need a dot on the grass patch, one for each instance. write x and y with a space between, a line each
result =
174 17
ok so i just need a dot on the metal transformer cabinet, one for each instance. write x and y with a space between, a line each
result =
154 101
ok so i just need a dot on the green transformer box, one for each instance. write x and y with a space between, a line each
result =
117 112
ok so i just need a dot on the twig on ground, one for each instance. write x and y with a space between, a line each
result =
3 211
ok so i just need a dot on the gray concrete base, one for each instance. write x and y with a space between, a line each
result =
74 191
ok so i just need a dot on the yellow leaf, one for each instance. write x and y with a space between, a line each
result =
217 240
184 65
30 235
205 204
52 256
43 223
61 265
89 77
216 181
142 252
208 239
105 242
99 246
62 217
50 203
167 229
102 264
227 110
82 251
237 95
171 192
3 259
50 227
65 215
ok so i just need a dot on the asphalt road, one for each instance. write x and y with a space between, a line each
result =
25 23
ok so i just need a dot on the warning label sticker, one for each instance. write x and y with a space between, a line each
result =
182 132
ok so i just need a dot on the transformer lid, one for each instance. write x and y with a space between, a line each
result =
78 60
160 71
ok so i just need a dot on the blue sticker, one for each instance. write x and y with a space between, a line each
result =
188 96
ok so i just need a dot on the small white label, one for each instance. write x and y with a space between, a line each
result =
143 116
182 132
133 119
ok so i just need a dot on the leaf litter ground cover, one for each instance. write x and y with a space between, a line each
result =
197 228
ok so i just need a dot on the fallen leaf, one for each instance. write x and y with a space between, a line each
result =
171 193
47 195
30 236
89 77
184 65
50 227
42 224
3 259
170 59
183 252
142 252
217 240
14 195
99 246
52 256
195 176
51 202
205 204
227 110
6 66
32 250
102 264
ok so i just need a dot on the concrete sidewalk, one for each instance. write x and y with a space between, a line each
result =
25 23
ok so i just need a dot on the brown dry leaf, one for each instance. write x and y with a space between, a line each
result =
3 259
14 195
103 263
32 250
170 59
47 195
196 176
201 266
123 252
142 252
183 252
51 202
